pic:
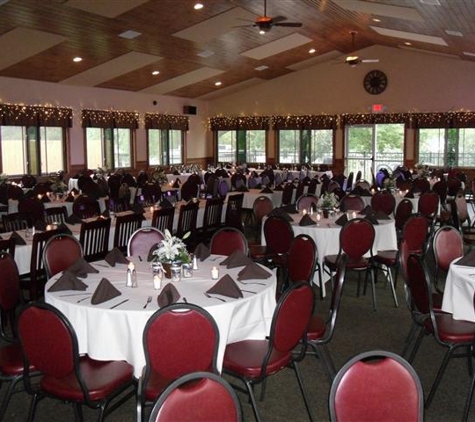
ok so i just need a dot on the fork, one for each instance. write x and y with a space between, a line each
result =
149 299
213 297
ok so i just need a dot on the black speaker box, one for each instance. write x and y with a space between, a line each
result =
189 110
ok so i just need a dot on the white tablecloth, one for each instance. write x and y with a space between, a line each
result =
106 334
458 292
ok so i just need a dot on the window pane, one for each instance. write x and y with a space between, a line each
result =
256 146
289 146
175 146
94 147
389 146
226 145
52 151
122 148
322 146
359 150
13 149
432 146
33 153
154 147
466 148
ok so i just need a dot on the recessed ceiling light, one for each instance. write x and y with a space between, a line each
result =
262 32
453 33
376 20
198 6
130 35
218 83
312 50
77 59
261 68
408 43
155 72
205 53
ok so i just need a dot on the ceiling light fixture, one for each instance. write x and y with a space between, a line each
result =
312 50
77 59
408 43
376 20
218 83
155 72
198 6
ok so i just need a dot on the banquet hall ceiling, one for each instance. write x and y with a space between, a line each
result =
193 49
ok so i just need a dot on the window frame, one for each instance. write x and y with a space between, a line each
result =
165 151
241 137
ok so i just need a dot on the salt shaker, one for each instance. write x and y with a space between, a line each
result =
195 263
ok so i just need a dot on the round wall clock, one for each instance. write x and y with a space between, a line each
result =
375 82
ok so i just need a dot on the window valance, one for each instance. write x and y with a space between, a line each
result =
108 119
166 121
23 115
239 123
376 118
305 122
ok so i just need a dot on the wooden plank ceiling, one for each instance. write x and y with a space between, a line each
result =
40 38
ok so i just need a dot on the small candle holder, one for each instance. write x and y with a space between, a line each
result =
195 263
187 270
131 276
175 270
214 273
157 281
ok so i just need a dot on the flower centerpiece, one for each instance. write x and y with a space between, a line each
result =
171 250
423 170
159 176
389 183
327 202
57 183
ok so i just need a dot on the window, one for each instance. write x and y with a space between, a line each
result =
108 147
447 147
242 146
165 146
313 146
32 150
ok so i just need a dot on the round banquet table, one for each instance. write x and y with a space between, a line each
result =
458 292
116 334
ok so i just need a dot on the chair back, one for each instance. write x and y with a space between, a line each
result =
312 187
460 210
28 181
142 241
392 390
261 207
233 216
299 190
142 179
180 339
287 194
198 397
16 221
223 188
421 184
403 212
453 186
151 194
129 180
351 202
417 281
9 287
278 234
306 201
415 233
447 246
213 213
357 238
8 245
94 239
60 252
228 240
32 207
125 225
15 192
337 290
428 203
238 180
332 185
301 262
383 201
56 215
441 188
162 219
85 207
349 181
114 182
187 219
189 190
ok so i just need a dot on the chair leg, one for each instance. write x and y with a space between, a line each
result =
253 400
393 289
263 389
373 287
409 337
302 389
321 353
8 395
77 412
468 402
416 346
32 411
439 376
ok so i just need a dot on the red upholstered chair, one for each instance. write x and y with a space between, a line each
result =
197 397
403 212
377 386
448 332
252 361
60 252
125 225
351 202
428 204
142 240
178 339
415 232
320 331
441 188
49 343
447 246
453 186
468 402
306 201
11 358
162 219
356 240
421 185
383 201
228 240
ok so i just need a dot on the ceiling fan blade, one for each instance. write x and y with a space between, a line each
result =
243 26
290 24
279 19
370 61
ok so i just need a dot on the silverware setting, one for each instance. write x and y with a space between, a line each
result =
118 304
149 299
75 294
184 300
213 297
84 298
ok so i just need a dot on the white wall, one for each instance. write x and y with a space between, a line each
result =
20 91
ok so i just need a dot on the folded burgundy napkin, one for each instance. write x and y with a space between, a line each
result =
341 221
279 212
267 190
104 291
236 259
63 228
226 286
372 219
290 209
81 268
380 215
115 256
70 197
367 210
467 260
168 296
202 252
176 183
166 204
307 221
18 239
278 188
242 189
67 281
40 225
253 271
409 195
73 219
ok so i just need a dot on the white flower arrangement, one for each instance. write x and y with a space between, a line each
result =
422 169
159 176
328 200
172 249
389 183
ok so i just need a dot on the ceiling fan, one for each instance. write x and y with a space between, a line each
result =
265 23
353 60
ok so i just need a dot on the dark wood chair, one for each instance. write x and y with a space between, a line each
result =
162 219
56 215
85 207
187 223
211 219
125 225
94 239
16 221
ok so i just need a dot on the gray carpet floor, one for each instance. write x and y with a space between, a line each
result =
359 329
